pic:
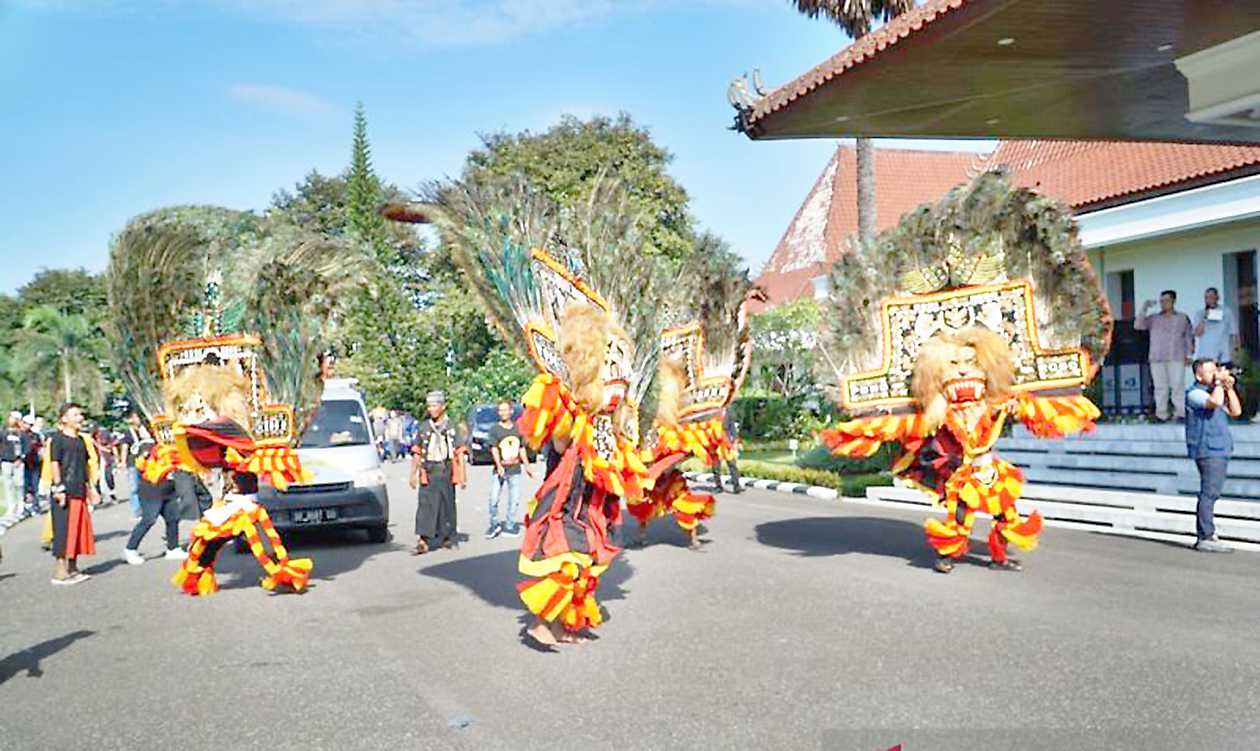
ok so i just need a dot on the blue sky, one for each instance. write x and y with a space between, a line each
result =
114 107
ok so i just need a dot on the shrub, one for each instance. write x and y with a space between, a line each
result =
848 485
819 457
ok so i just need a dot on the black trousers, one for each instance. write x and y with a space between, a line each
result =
435 509
150 510
733 469
191 493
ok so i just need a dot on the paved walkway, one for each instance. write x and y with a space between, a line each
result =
804 624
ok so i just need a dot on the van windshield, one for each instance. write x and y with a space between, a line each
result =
338 422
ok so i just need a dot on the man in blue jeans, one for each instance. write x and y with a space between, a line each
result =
135 436
1210 402
508 451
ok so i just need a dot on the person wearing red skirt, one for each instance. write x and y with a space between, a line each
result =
72 470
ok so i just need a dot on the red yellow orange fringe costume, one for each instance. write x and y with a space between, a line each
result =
223 445
706 441
568 541
955 464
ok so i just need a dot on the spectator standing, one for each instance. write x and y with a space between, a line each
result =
436 468
1172 343
1215 331
394 435
72 469
135 435
508 451
32 444
1210 402
731 426
378 431
106 450
11 468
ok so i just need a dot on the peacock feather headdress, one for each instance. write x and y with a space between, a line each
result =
528 259
195 285
706 334
987 254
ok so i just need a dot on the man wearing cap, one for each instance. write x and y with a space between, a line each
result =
436 467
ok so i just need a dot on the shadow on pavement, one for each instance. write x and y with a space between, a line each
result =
493 577
28 659
334 552
839 535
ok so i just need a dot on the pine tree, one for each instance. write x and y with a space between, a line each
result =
363 186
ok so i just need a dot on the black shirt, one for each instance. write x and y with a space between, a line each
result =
133 439
32 442
11 450
508 441
72 456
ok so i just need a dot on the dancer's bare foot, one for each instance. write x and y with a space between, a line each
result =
641 542
421 547
944 565
693 539
1010 564
541 632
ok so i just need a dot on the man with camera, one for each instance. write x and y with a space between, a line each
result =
1210 402
1215 330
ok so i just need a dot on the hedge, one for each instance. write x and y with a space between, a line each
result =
853 485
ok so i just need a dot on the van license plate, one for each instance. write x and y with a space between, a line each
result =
314 516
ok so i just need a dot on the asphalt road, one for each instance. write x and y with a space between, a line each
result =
803 624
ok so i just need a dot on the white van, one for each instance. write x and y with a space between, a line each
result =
348 489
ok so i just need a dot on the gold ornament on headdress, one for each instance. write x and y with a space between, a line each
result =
959 268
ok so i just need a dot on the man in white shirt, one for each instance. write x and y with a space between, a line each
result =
1215 331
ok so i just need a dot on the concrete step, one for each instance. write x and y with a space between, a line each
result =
1078 445
1139 514
1243 432
1238 468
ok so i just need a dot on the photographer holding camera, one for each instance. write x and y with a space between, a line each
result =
1210 402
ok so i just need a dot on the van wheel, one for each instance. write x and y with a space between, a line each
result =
378 535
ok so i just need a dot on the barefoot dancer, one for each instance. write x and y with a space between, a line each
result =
703 363
984 309
573 291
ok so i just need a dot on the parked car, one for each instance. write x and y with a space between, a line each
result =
348 489
480 419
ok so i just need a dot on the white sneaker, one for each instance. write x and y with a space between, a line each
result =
175 554
133 557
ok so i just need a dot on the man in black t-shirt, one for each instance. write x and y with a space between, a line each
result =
508 450
73 468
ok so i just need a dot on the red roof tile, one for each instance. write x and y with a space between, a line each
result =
1085 173
859 52
1082 174
904 180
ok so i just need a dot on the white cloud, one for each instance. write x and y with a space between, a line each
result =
411 23
281 99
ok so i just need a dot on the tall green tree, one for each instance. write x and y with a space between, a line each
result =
857 17
784 345
565 160
60 352
363 187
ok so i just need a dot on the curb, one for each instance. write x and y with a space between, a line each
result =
795 488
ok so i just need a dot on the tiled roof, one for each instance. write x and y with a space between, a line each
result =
904 180
1086 173
857 53
1082 174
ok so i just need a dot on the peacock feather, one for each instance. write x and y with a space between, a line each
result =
195 271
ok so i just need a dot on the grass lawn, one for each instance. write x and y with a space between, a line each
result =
771 456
